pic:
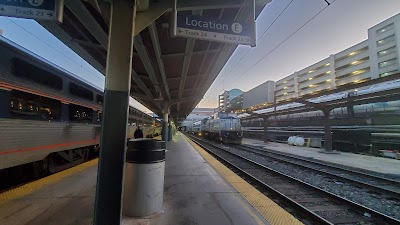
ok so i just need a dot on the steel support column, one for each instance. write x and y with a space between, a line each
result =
265 134
164 130
327 131
169 131
108 205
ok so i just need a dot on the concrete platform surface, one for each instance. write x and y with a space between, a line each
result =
197 194
371 163
194 194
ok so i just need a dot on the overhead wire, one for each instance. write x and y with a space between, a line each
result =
283 41
79 64
265 31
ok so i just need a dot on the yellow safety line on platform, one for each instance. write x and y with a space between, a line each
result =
268 209
26 189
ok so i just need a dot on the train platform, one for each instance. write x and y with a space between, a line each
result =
365 162
198 190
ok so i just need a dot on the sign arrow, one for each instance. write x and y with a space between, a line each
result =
30 9
209 28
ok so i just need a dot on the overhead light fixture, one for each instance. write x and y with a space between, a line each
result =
159 98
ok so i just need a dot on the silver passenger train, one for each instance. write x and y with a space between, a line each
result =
49 120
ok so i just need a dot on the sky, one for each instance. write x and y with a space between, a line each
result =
341 25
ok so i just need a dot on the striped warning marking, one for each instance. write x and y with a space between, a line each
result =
20 192
267 208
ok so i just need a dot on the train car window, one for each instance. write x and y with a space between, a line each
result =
23 69
99 116
99 99
80 91
80 114
29 106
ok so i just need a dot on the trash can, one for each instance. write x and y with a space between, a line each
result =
144 177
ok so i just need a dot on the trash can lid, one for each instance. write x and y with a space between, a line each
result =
146 144
145 150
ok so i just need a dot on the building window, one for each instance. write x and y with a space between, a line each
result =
385 29
388 63
354 73
386 51
25 70
388 73
354 63
385 40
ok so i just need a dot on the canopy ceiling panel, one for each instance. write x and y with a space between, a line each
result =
166 69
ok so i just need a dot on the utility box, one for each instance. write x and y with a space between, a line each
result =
144 177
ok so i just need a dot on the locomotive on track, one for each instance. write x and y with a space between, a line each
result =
222 126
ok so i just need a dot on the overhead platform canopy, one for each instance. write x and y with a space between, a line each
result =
166 69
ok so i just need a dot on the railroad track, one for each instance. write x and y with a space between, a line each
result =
373 183
314 204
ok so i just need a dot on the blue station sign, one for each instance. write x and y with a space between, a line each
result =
31 9
215 29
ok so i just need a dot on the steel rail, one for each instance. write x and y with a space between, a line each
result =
328 165
374 216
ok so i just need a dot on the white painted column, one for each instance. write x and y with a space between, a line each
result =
397 34
296 85
373 57
332 68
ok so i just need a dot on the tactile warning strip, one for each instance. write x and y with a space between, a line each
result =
19 192
267 208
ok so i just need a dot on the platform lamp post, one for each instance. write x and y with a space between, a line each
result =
265 133
166 110
164 128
